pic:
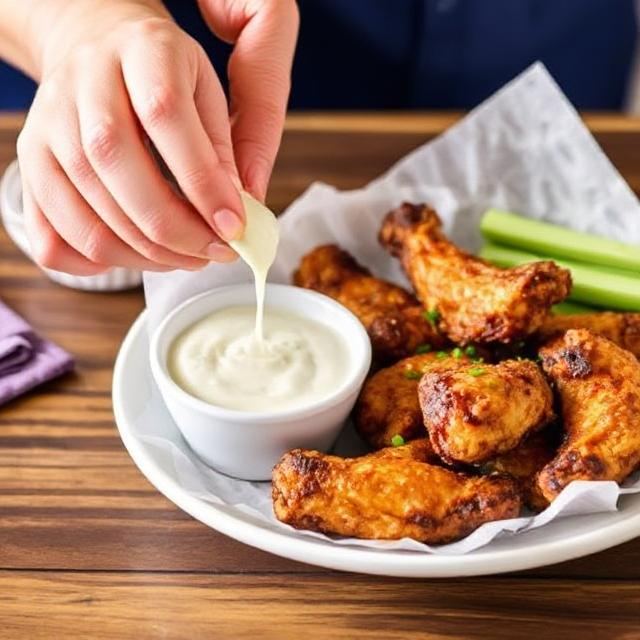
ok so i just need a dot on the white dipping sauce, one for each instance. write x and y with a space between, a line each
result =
238 358
219 360
258 247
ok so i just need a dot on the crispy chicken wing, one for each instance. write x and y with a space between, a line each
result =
388 405
525 461
475 301
391 315
474 413
598 385
387 496
621 328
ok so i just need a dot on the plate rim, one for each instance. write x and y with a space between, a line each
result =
382 562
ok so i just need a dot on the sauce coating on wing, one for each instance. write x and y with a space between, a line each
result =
388 404
475 301
598 385
391 315
621 328
474 413
387 497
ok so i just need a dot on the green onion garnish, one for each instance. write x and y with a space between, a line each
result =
457 352
397 440
477 360
410 374
477 371
441 355
423 348
432 315
470 351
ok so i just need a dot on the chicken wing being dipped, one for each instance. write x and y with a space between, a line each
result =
475 301
388 405
387 496
473 413
621 328
392 316
598 385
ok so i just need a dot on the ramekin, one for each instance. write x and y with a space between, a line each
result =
116 279
246 444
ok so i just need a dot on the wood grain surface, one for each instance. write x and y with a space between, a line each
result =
89 549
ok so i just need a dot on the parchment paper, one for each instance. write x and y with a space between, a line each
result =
524 150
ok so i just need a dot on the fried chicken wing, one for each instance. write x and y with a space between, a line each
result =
621 328
391 315
473 413
598 385
388 405
475 300
387 496
525 462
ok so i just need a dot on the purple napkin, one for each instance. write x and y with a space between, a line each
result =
26 360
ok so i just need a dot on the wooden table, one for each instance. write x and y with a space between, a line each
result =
88 548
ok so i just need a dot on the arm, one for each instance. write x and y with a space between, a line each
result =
115 76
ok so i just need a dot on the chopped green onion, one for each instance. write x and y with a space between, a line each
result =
479 360
477 371
397 440
423 348
553 240
410 374
432 315
471 351
441 355
457 352
601 286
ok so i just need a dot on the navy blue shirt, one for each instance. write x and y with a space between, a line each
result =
394 54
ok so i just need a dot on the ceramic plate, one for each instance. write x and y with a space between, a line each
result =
563 539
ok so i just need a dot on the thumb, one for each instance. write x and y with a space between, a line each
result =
264 33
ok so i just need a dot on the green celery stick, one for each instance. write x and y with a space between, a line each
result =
548 239
570 309
596 286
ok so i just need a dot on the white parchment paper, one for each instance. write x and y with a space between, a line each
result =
525 150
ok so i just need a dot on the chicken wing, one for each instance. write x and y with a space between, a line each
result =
475 301
387 497
621 328
598 385
474 413
388 405
392 316
524 463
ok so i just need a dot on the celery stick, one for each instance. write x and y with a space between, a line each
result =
592 285
570 309
552 240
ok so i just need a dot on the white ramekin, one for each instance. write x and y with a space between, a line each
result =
246 444
116 279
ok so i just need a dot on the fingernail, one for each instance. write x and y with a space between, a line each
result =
228 224
220 252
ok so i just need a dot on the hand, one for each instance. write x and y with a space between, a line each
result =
118 75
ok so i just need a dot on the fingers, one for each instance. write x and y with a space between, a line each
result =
66 148
48 249
114 146
259 75
162 95
83 231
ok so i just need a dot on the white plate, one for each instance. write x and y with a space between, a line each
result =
563 539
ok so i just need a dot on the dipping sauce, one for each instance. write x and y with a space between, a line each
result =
258 247
220 360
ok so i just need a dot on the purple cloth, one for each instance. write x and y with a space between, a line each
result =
26 360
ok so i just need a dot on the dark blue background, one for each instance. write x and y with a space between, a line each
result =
387 54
